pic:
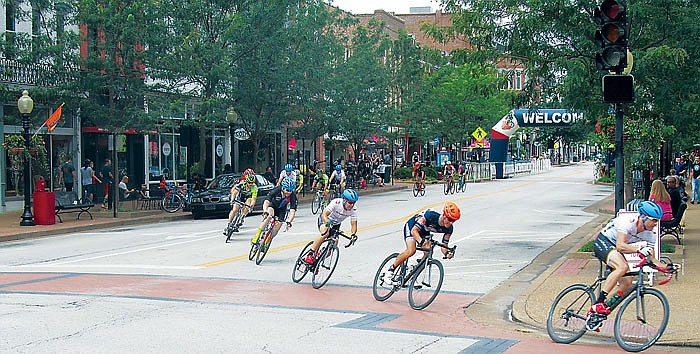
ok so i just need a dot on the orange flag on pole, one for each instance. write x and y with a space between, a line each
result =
54 118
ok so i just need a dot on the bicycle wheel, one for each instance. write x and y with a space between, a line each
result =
425 285
229 231
171 202
325 265
382 289
453 187
253 250
301 267
641 320
264 245
446 188
316 204
422 190
416 189
566 321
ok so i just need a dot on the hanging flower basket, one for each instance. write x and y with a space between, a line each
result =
16 150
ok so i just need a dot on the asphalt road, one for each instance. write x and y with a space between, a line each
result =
178 287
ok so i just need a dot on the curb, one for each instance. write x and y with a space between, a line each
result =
150 217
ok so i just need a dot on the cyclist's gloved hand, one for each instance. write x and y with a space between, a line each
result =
289 224
265 215
673 267
329 223
646 251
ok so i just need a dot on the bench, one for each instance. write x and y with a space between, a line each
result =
674 226
68 202
154 201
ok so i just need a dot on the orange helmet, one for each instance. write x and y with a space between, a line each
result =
451 211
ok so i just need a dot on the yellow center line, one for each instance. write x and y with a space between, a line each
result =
400 219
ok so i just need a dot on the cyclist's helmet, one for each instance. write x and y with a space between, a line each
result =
451 211
288 167
248 171
350 195
250 178
338 167
449 162
650 209
288 184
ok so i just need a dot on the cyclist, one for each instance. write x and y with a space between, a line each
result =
321 181
288 171
248 171
449 172
338 177
299 180
421 225
624 234
246 192
333 215
419 174
276 204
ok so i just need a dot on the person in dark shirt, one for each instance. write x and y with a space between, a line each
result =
280 199
676 192
420 226
695 175
269 175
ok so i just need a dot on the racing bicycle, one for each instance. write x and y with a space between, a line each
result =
418 187
319 201
423 279
259 249
237 220
449 186
325 262
639 323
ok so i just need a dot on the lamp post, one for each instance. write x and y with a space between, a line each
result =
26 105
232 118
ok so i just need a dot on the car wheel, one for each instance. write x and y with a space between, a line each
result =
196 216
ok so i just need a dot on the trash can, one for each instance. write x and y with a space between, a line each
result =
44 208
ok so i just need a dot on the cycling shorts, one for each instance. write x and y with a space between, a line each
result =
602 247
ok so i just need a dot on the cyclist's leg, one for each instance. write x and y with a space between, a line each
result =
232 213
282 213
605 251
409 251
271 213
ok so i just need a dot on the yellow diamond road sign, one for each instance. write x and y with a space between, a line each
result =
479 134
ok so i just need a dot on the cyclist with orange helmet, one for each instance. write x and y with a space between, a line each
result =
421 225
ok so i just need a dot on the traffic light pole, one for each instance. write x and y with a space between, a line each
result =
619 160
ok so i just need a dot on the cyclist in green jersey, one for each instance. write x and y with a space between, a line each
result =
245 192
321 181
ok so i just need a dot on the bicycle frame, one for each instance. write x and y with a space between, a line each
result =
423 261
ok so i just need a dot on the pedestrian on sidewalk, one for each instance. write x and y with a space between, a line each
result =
87 176
695 175
107 180
69 175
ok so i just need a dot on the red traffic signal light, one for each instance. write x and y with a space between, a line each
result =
611 15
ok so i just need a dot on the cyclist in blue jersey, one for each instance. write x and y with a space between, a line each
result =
421 225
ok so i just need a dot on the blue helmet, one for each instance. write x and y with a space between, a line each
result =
350 195
338 167
650 209
289 184
288 167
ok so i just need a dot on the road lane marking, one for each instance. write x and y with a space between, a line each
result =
141 249
401 219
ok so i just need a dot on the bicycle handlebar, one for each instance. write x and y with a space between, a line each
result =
352 238
646 261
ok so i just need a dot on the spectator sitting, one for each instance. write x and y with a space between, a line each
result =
660 195
198 182
676 192
126 193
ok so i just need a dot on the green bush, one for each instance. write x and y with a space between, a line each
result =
665 248
403 173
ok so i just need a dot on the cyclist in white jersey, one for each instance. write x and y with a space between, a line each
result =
332 216
625 234
288 171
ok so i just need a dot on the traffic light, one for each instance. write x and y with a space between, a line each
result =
611 37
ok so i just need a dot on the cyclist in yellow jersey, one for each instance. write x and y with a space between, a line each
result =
246 192
321 181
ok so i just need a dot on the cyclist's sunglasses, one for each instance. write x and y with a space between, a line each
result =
350 202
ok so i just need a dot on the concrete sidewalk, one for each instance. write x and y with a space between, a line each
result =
10 218
561 270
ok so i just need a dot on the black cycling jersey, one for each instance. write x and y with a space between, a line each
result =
279 201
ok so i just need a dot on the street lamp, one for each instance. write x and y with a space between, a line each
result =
26 105
232 118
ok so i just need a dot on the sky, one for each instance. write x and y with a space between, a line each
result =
368 6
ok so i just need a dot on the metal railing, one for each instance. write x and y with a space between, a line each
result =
15 72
